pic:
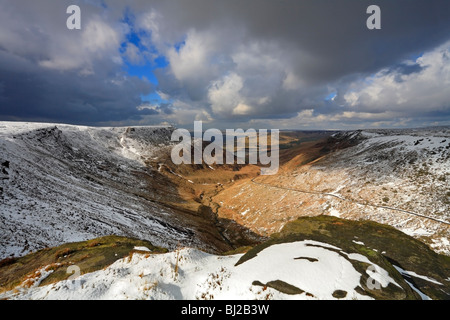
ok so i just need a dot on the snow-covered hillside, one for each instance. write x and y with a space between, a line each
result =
62 183
298 270
395 177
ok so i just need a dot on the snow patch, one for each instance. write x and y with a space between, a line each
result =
415 275
142 249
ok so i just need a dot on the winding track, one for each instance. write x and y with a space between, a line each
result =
350 200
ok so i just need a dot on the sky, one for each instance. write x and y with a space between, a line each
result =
287 64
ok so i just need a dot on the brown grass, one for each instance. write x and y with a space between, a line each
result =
7 261
93 243
64 252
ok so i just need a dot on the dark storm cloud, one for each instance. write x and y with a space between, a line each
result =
405 69
320 46
54 96
229 61
49 73
333 32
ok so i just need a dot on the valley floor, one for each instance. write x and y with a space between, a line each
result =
61 184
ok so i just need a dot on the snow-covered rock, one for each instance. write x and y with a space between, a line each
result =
317 270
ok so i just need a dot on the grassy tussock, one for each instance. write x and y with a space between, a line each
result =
89 256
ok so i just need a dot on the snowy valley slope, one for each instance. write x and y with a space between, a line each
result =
62 183
396 177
